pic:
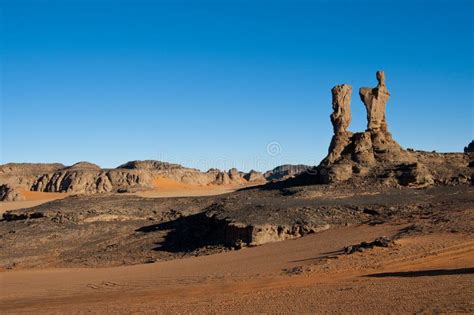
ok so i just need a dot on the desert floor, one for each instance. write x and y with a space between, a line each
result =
32 198
428 273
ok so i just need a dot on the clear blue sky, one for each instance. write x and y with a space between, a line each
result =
212 83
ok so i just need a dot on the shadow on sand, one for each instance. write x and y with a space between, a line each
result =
424 273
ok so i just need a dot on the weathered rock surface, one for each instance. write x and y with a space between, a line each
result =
375 101
23 175
7 193
373 156
254 176
150 165
341 105
286 171
340 119
88 178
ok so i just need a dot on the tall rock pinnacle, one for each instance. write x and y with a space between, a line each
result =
340 118
341 104
375 101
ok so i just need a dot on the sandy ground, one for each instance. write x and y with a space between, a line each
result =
430 273
32 198
164 188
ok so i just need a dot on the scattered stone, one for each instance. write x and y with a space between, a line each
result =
379 242
371 211
9 216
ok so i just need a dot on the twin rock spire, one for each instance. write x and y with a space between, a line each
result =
374 99
358 152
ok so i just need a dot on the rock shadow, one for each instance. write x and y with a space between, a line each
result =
424 273
189 233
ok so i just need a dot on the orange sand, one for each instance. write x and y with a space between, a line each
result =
32 199
166 187
435 275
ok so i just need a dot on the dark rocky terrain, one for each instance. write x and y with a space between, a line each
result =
108 230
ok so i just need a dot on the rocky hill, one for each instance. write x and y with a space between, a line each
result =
85 177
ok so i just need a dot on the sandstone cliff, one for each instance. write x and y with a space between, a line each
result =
88 178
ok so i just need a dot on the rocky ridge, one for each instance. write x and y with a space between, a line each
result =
88 178
286 171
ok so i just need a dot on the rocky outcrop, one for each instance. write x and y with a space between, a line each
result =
221 226
150 165
373 155
469 148
88 178
8 193
254 176
23 175
285 171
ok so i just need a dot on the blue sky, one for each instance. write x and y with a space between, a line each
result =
213 83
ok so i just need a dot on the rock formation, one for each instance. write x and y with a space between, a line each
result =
340 118
286 171
341 105
373 155
254 176
469 148
88 178
8 193
375 101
